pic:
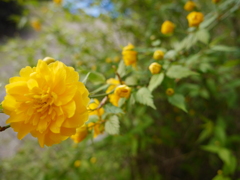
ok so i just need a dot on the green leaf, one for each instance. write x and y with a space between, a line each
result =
156 43
84 81
211 148
224 48
121 69
92 118
170 55
145 97
178 72
110 109
203 36
96 78
207 131
155 81
225 155
112 125
178 100
230 168
131 80
221 177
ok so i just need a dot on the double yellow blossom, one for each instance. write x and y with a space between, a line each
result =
129 55
167 27
189 6
155 68
47 101
195 18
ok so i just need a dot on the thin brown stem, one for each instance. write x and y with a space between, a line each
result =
3 128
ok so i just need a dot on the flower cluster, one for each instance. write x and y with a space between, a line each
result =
47 101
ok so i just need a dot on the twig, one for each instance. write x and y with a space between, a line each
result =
3 128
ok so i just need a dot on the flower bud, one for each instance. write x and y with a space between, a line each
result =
122 91
195 18
49 60
189 6
158 54
170 91
155 68
167 27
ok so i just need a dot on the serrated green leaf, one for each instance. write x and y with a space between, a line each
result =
110 109
155 81
178 100
112 125
178 72
145 97
203 36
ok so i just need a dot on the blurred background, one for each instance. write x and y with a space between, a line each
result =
162 144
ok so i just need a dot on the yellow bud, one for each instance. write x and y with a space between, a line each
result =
189 6
57 1
36 24
93 160
158 54
170 91
167 27
122 91
195 18
155 68
77 163
108 60
215 1
49 60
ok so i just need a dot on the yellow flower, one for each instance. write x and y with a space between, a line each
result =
155 68
215 1
189 6
195 18
93 108
170 91
80 135
113 98
158 54
36 24
77 163
57 1
122 91
167 27
47 101
129 55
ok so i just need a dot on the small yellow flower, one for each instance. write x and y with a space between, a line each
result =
113 98
158 55
215 1
57 1
93 160
189 6
93 108
170 91
36 24
80 135
77 163
108 60
195 18
129 55
116 59
167 27
47 101
155 68
122 91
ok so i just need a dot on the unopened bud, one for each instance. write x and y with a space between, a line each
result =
49 60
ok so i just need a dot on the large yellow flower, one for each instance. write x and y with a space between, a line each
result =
47 101
129 55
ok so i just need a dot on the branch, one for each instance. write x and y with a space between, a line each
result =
3 128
